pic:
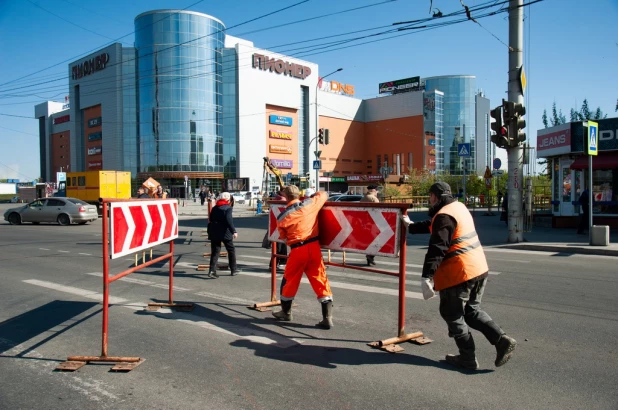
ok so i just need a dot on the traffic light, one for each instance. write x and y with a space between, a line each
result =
321 135
518 123
326 136
501 137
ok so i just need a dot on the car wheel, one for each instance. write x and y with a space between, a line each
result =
64 219
15 219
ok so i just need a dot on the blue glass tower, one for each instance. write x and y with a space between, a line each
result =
179 91
458 119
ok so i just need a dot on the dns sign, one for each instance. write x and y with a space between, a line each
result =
337 87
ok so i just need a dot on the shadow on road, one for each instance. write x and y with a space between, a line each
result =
59 314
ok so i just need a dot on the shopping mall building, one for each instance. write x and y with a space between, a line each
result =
189 101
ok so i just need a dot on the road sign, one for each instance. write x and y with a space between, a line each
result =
497 163
289 176
487 173
463 150
522 80
138 225
372 231
317 153
497 172
593 140
488 183
317 164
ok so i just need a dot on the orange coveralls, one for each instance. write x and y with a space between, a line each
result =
298 225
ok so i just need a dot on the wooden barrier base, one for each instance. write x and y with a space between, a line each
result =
181 307
219 267
207 255
123 364
392 345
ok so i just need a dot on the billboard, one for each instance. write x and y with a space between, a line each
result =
280 120
400 86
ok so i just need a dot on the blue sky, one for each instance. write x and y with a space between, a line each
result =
570 52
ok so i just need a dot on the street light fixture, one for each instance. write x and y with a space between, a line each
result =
317 147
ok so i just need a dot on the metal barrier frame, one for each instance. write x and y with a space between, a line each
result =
125 364
390 344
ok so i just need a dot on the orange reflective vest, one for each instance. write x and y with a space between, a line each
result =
465 258
299 221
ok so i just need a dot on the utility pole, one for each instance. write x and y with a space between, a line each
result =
514 151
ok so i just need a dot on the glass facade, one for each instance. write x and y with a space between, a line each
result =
458 119
433 108
179 81
130 147
230 112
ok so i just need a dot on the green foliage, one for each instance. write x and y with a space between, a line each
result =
557 117
545 122
419 182
390 191
584 114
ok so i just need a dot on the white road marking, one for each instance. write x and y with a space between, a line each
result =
142 282
254 335
43 249
85 254
89 294
64 251
93 389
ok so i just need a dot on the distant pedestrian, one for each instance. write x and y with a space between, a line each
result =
456 264
504 216
141 193
203 196
584 202
259 205
221 229
371 196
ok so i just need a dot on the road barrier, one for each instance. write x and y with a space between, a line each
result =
132 225
363 228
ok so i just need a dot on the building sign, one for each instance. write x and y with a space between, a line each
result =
95 150
90 66
279 149
95 136
400 86
279 120
94 164
364 178
432 142
607 137
93 122
337 179
60 120
279 66
554 140
282 163
280 135
336 87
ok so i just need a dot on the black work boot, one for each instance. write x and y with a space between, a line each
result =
285 313
213 274
466 357
327 315
504 350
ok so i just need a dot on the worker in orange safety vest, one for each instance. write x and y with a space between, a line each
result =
298 225
456 263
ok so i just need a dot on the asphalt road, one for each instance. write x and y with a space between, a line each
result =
561 308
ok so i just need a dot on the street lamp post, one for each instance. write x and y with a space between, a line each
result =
317 144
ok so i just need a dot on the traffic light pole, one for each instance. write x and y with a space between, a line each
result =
514 153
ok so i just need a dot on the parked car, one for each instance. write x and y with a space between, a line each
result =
346 198
63 211
238 198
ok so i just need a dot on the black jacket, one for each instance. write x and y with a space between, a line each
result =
220 223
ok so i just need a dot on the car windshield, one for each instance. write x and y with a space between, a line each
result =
76 201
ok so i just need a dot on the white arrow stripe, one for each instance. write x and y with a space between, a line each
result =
346 229
162 217
175 216
385 230
148 224
129 220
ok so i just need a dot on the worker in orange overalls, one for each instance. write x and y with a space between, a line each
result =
298 225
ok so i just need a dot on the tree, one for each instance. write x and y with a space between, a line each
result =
557 116
546 124
574 115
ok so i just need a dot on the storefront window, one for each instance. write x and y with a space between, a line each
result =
556 179
566 184
606 202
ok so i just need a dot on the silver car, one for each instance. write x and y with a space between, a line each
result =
64 211
346 198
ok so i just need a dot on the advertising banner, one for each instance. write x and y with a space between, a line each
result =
95 150
282 163
398 86
280 149
280 135
279 120
95 136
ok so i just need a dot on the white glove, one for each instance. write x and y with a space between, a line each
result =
406 220
427 288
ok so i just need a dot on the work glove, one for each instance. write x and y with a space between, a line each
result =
406 220
427 288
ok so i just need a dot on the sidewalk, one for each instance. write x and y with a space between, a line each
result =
494 233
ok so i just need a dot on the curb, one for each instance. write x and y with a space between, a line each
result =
562 249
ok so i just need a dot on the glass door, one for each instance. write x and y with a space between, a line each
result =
567 188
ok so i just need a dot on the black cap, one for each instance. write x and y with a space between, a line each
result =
440 189
374 187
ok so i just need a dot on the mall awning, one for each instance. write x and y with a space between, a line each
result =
607 160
